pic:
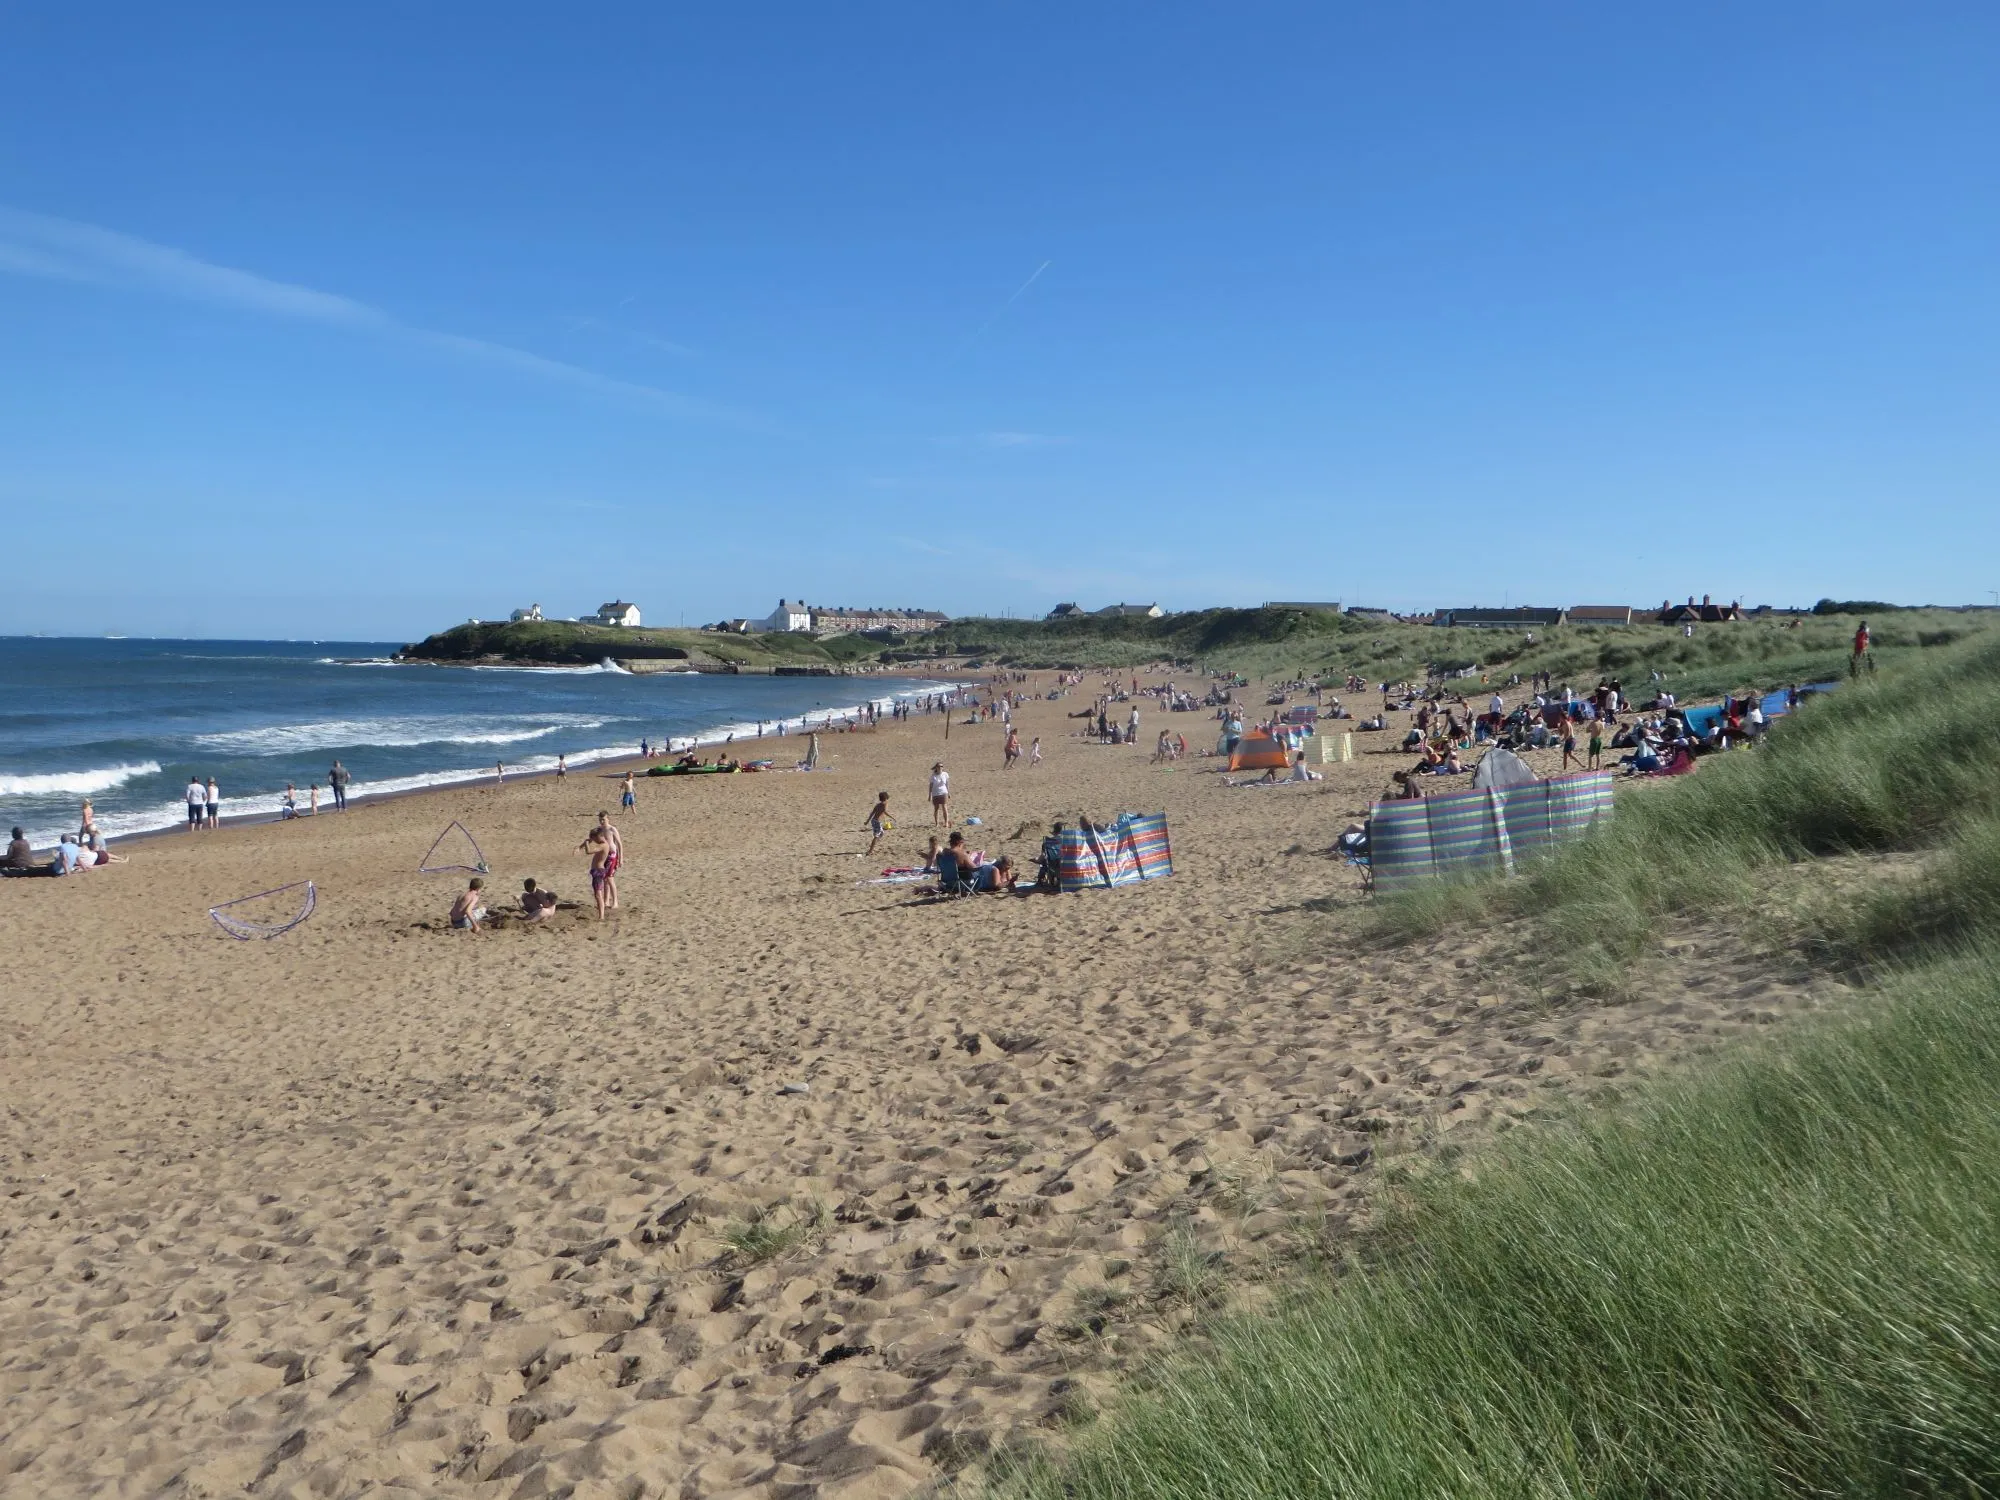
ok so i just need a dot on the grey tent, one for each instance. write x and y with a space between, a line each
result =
1499 769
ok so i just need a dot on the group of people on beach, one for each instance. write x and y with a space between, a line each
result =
604 845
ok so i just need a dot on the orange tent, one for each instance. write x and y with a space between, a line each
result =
1258 752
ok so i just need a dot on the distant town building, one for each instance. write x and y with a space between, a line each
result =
1499 619
1132 611
1708 612
819 619
532 612
1600 614
1368 612
617 612
1330 609
1065 612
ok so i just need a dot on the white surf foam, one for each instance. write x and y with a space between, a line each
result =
74 783
337 734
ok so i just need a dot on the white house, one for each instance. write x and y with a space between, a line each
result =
1141 611
786 618
618 612
532 612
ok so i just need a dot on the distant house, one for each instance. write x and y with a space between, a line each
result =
1064 612
1368 612
1132 611
520 616
1708 612
787 619
1600 614
617 612
731 627
1499 619
820 619
1328 609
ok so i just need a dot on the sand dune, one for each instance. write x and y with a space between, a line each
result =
380 1207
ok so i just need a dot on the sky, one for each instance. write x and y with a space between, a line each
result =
356 321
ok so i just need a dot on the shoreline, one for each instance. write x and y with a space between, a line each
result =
727 733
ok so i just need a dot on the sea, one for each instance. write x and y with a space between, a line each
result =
127 722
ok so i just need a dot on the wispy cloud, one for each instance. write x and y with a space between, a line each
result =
34 244
1002 440
638 336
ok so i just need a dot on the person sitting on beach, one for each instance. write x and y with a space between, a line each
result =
954 853
1300 771
537 905
289 807
931 849
20 858
469 910
1048 875
1406 787
70 857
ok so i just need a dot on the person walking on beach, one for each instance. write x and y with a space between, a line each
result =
940 794
337 779
628 799
213 807
499 774
1012 750
562 766
1035 752
878 823
197 801
603 872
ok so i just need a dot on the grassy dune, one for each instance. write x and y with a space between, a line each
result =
1276 642
1774 1275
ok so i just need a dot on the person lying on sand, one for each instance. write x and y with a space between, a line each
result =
469 910
537 905
998 876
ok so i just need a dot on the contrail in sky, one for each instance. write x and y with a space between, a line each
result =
994 316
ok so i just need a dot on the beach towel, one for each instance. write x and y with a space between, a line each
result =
1132 849
1471 832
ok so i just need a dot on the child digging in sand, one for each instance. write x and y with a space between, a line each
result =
469 910
879 822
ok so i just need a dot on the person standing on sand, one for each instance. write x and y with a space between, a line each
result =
562 765
313 790
614 843
1012 750
197 801
878 822
213 806
628 799
338 778
603 873
87 823
940 794
499 774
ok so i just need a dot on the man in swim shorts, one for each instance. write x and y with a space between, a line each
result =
602 874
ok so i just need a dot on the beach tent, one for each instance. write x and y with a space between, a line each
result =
1501 767
1132 849
267 914
454 849
1258 752
1472 832
1701 720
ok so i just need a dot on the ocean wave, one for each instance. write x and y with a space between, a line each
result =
337 734
73 783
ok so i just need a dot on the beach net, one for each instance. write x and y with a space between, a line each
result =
267 914
454 849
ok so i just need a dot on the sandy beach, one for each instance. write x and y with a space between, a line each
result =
380 1207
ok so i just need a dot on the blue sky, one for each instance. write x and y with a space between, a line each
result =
353 321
